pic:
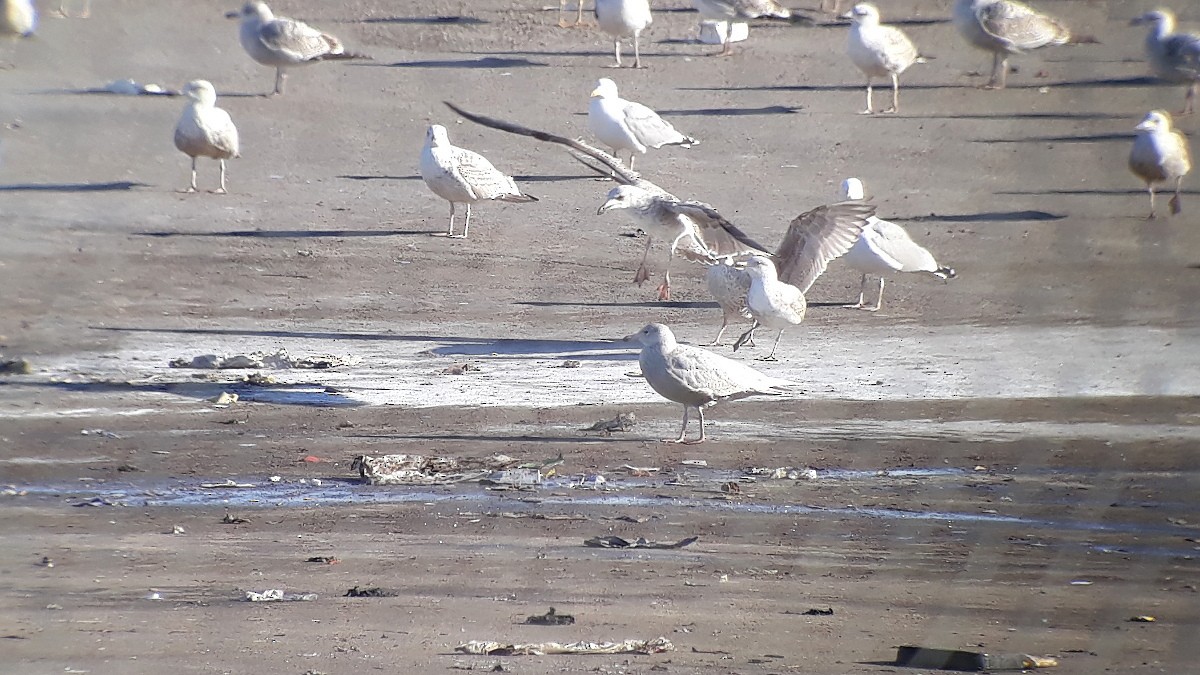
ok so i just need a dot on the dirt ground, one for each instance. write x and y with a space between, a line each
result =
1004 463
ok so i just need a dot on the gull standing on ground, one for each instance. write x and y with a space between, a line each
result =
204 130
1005 27
463 177
284 43
696 378
621 19
1160 155
740 11
883 248
18 18
628 125
1174 57
562 10
695 229
879 51
813 240
728 285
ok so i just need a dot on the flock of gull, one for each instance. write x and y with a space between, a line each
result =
749 280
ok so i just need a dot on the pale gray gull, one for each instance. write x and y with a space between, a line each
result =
1160 155
728 284
622 19
694 229
463 177
813 240
204 130
695 377
628 125
741 11
879 51
1005 27
284 43
884 248
1173 56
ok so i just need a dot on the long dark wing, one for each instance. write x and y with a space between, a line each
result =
816 238
722 237
621 172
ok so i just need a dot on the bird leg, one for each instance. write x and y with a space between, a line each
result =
683 429
1189 99
637 59
664 289
1150 189
895 94
717 340
771 356
700 414
1175 204
726 47
617 52
643 272
999 72
450 232
870 109
745 338
221 190
467 221
280 76
878 299
862 293
193 186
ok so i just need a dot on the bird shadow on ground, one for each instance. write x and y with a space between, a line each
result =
310 394
115 186
479 345
424 20
1093 138
733 112
599 437
991 216
1080 116
1132 191
285 234
485 62
356 177
647 305
1105 82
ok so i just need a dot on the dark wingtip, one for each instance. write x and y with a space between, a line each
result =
946 272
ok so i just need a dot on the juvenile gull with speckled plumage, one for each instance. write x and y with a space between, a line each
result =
1006 27
1160 154
879 51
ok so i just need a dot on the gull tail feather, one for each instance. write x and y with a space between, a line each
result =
517 199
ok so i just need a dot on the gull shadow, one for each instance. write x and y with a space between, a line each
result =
515 347
308 394
552 179
486 62
354 177
115 186
818 88
732 112
1041 193
506 439
1087 116
286 234
425 20
993 216
649 305
1093 138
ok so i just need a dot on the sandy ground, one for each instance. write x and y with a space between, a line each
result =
1005 462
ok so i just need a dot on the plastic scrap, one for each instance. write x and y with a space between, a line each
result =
622 422
952 659
655 646
129 87
613 541
277 595
550 618
423 470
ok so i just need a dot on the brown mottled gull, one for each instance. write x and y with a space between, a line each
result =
1160 155
463 177
284 43
696 378
1174 57
879 51
204 130
1005 27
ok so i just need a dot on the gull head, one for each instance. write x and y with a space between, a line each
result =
864 14
1161 20
761 267
252 11
622 197
201 91
436 137
852 188
1155 121
652 334
605 88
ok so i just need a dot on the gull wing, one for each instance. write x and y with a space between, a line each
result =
1021 27
298 39
721 237
816 238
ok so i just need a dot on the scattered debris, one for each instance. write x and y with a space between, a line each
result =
47 562
538 516
372 592
694 462
628 519
655 646
731 488
98 501
313 459
409 470
324 559
641 471
783 472
570 363
550 618
227 484
517 478
1143 618
1081 582
951 659
224 399
813 612
15 367
277 595
592 481
177 529
129 87
278 360
622 422
259 380
460 369
127 468
613 541
97 432
231 519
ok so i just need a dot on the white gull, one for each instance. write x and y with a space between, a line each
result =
204 130
629 125
621 19
1160 155
879 51
1174 56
